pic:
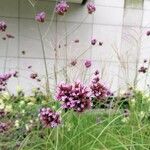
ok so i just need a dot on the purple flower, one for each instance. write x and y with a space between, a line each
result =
74 96
2 113
143 69
3 127
148 33
15 74
88 63
3 80
91 7
93 41
145 61
29 67
76 41
100 43
98 90
96 72
49 118
40 17
61 7
73 62
3 26
33 75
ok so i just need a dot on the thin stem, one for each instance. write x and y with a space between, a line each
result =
44 54
56 148
45 63
66 55
6 56
56 55
147 74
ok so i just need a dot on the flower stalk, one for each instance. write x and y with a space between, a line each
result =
45 63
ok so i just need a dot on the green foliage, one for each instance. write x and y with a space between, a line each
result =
97 129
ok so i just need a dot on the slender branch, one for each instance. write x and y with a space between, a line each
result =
56 55
6 56
66 55
45 63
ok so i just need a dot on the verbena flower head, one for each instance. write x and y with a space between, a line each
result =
29 67
98 90
148 33
143 69
3 80
93 41
61 7
76 41
3 127
33 75
91 7
73 62
2 113
96 72
88 63
3 26
40 17
145 61
49 118
74 96
100 43
15 74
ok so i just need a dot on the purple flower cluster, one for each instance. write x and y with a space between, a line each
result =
3 26
100 43
40 17
143 69
15 74
49 118
88 63
148 33
3 127
99 91
33 75
91 7
74 96
2 113
3 80
73 62
61 7
77 41
93 41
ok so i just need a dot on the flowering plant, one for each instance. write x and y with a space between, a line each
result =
74 96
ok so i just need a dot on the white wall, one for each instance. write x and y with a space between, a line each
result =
111 24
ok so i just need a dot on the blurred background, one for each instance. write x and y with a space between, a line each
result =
120 25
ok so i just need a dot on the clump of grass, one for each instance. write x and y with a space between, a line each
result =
94 129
